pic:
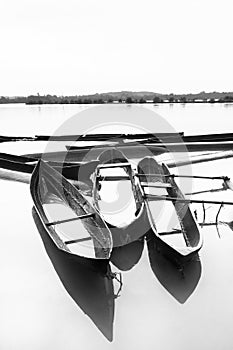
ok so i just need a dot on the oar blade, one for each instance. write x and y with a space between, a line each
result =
228 184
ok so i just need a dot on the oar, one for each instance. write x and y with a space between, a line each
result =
200 159
152 197
227 184
225 178
206 191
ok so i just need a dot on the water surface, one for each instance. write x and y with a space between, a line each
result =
42 309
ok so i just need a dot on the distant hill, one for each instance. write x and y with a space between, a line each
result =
124 97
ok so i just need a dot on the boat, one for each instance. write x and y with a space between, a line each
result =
124 211
19 168
182 241
23 164
140 148
83 170
69 219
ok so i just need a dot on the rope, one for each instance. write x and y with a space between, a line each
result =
113 275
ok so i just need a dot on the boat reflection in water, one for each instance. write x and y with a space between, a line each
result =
88 282
127 256
180 284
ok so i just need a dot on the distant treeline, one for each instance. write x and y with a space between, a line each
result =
123 97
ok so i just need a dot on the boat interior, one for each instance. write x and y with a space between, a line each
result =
176 227
116 190
72 223
114 193
73 233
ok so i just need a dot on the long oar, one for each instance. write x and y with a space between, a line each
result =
152 197
201 159
227 184
188 176
207 191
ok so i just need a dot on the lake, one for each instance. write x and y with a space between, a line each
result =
43 294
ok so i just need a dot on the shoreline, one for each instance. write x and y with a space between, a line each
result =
117 103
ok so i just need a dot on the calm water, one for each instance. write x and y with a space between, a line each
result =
41 290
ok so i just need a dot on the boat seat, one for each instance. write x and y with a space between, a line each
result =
78 240
112 178
84 216
156 184
113 165
170 232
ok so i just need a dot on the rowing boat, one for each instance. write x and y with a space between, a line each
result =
88 153
79 174
156 148
172 222
72 223
27 165
117 196
149 137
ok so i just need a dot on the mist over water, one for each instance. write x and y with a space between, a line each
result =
157 307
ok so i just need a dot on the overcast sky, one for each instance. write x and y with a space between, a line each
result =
87 46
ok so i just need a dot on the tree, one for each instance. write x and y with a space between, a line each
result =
156 99
228 98
171 99
183 99
129 100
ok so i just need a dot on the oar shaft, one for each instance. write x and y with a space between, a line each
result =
188 176
202 177
152 197
206 191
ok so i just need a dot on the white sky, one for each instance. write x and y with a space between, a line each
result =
88 46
